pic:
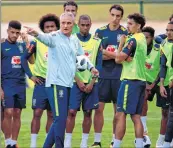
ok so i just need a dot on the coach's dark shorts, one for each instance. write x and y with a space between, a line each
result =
131 96
88 101
40 97
161 101
14 93
108 90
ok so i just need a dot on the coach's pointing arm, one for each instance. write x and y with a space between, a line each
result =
45 38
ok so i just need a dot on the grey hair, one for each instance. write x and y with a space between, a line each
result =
67 14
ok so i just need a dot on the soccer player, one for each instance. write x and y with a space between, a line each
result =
13 91
109 81
71 6
85 89
152 76
167 69
47 24
133 78
62 51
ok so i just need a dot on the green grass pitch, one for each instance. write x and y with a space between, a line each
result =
24 137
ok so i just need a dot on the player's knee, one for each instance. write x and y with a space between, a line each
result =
72 113
88 113
37 115
118 116
164 114
136 119
8 113
99 111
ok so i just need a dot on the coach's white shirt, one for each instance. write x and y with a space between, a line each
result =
62 54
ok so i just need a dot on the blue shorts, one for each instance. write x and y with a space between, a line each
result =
89 101
40 97
131 96
108 90
14 93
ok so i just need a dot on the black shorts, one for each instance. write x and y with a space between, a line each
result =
108 90
161 101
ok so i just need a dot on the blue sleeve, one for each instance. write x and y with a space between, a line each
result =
163 36
163 67
99 59
130 48
158 39
24 60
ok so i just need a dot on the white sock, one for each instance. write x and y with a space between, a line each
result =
84 142
13 142
67 141
97 137
167 144
8 141
144 123
172 143
161 137
117 143
33 140
139 143
113 137
46 135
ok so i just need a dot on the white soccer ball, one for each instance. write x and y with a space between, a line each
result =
81 63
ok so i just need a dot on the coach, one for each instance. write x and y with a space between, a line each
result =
62 53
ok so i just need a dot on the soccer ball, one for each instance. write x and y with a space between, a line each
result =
111 48
81 63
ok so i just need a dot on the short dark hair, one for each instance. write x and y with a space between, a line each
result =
70 3
84 17
117 7
149 30
171 17
171 22
14 24
49 17
138 18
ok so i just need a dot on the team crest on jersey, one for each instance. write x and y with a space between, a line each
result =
148 65
119 37
16 62
88 54
20 48
61 93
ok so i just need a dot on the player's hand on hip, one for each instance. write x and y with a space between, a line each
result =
36 80
94 72
163 91
31 31
2 94
81 85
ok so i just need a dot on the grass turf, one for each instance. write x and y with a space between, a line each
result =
24 137
98 13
